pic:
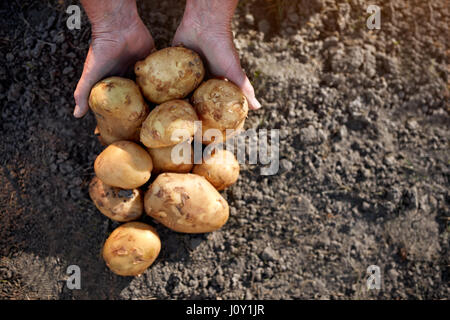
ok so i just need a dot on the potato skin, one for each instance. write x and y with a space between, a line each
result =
162 160
115 203
119 108
221 169
164 120
220 104
186 202
170 73
123 164
131 248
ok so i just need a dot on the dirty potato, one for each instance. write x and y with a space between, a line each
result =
168 74
119 108
186 202
168 124
221 105
115 203
131 248
123 164
221 169
178 158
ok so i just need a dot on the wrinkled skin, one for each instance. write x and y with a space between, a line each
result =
120 39
206 29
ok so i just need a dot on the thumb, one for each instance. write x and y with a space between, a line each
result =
242 81
249 93
236 74
92 73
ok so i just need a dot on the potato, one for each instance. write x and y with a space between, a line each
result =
123 164
212 135
186 202
119 109
170 73
163 162
221 169
115 203
163 124
220 104
131 248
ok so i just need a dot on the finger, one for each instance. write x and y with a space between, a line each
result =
92 73
234 72
238 76
249 93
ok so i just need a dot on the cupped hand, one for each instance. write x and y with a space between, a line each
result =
113 51
200 32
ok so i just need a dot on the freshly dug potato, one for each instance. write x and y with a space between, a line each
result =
123 164
186 202
115 203
131 248
170 73
220 104
164 162
119 109
221 169
163 124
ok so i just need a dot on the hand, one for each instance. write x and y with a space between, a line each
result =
117 43
206 29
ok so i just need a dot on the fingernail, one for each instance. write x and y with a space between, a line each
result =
76 112
256 103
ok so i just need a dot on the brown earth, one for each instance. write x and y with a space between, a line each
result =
364 170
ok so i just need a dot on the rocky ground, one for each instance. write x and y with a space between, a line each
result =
364 159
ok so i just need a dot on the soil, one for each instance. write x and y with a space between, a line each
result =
364 159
